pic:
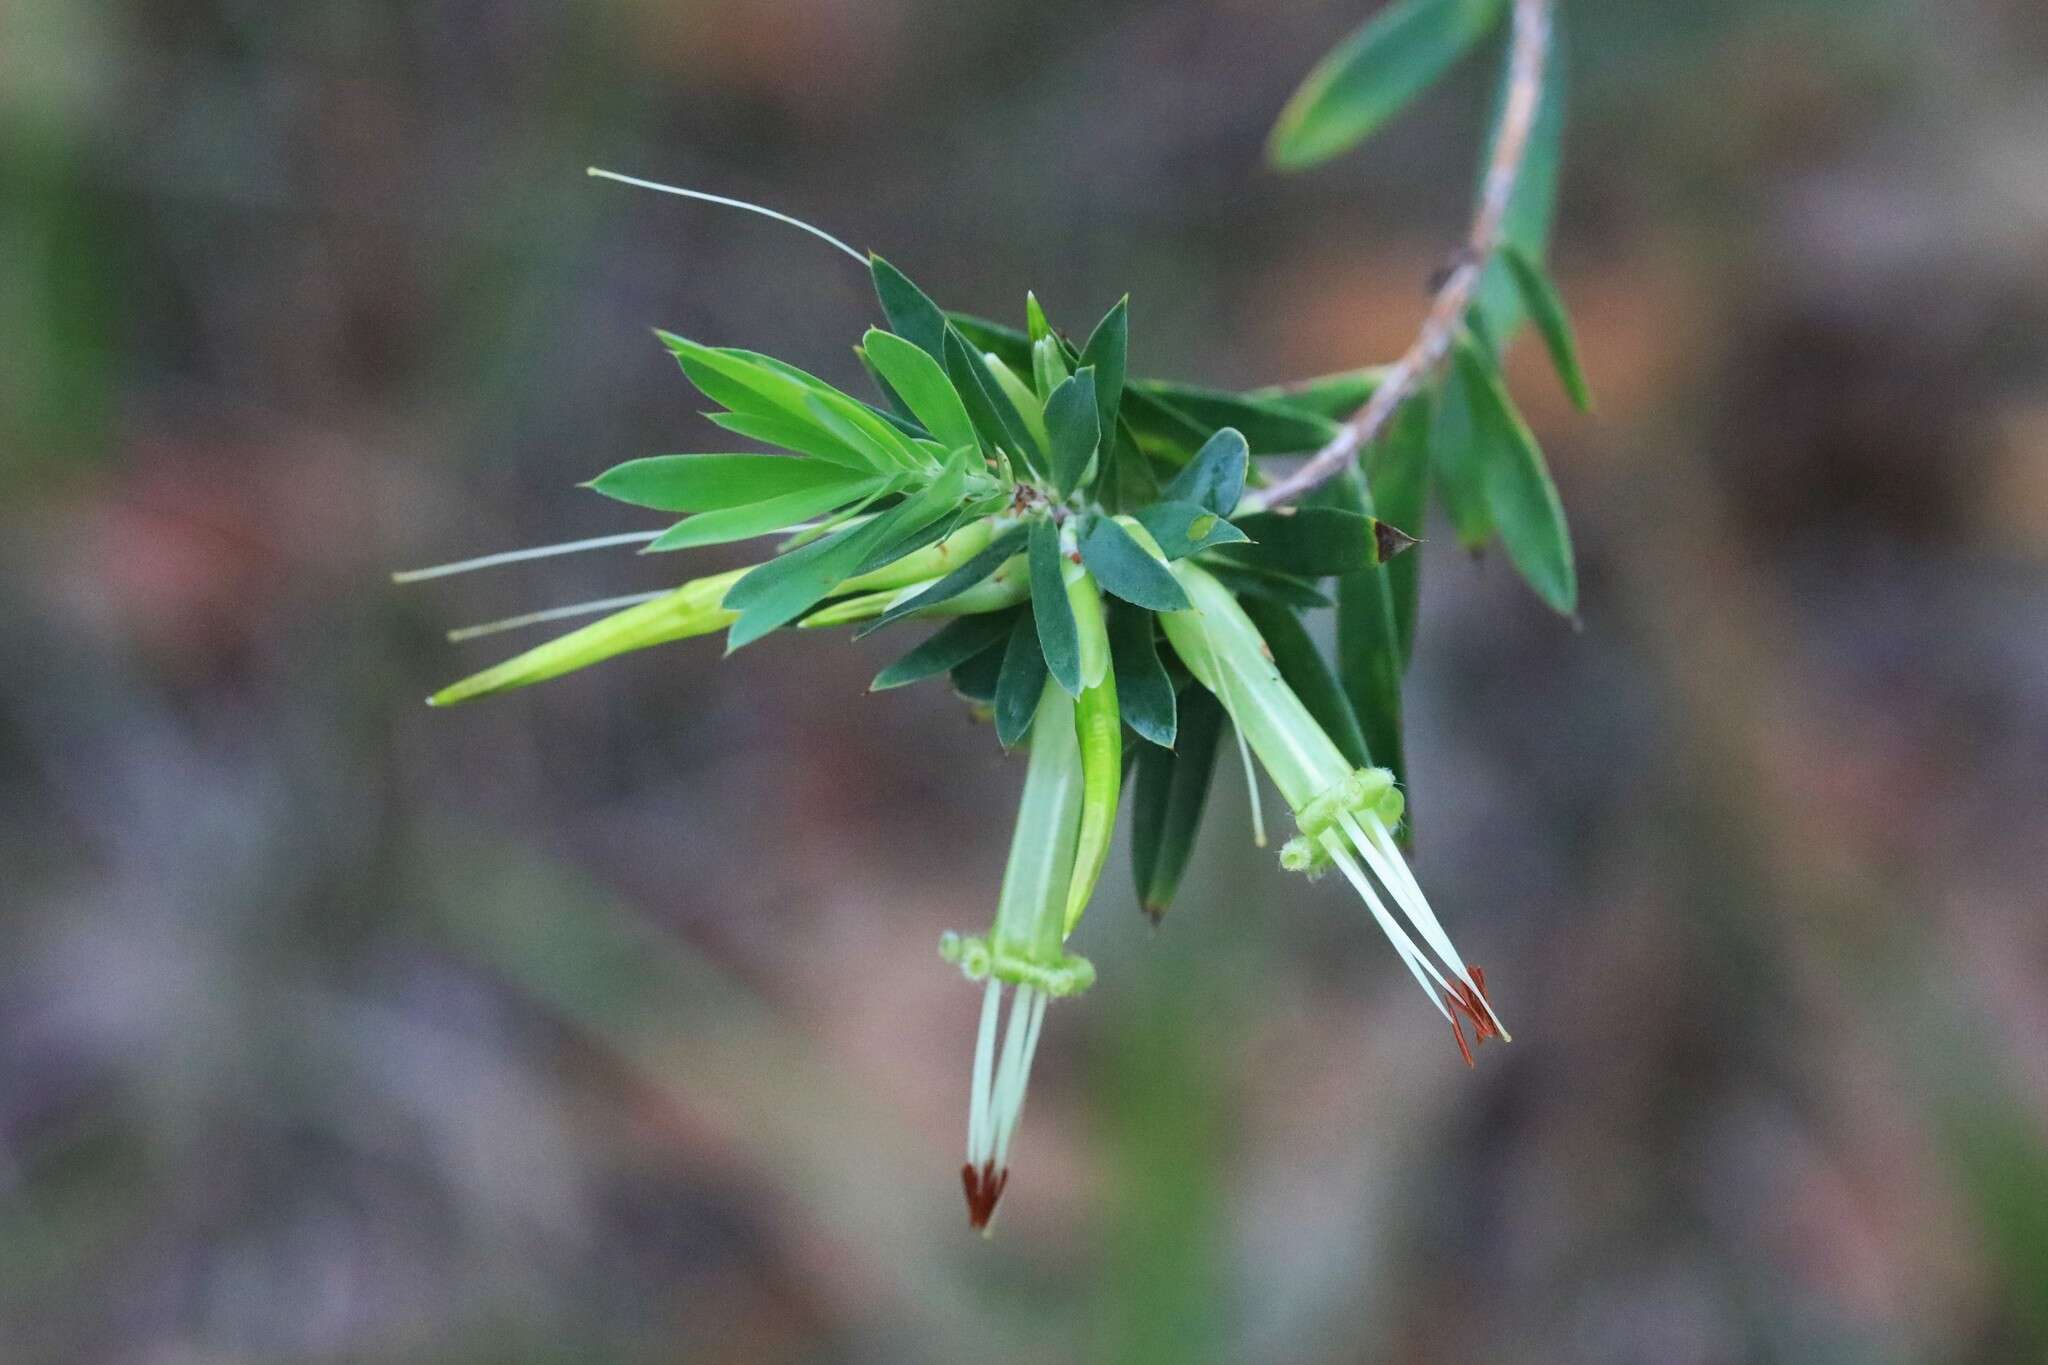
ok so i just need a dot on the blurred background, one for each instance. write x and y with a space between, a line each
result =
604 1021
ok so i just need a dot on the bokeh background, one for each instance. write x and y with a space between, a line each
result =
603 1022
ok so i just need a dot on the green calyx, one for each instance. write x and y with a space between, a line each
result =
978 960
1364 791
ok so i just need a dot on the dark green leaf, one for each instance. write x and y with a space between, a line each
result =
950 646
1143 691
1309 542
1021 683
1374 74
1007 344
1108 351
976 679
706 483
1182 528
923 387
1456 461
1161 430
1172 788
1287 590
995 417
1302 667
1534 202
991 558
1058 635
1215 477
760 518
1368 642
1268 427
1129 482
1399 479
911 313
1546 309
1123 568
1517 487
1072 429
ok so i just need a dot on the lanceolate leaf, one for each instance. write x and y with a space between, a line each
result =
1368 642
950 646
1215 477
923 387
1143 690
911 313
1331 396
1456 460
995 417
1182 528
1314 541
1374 74
1108 352
775 429
1073 429
1021 682
1301 665
1123 569
1058 635
746 386
761 518
1006 545
1398 475
1546 309
706 483
1517 487
1172 788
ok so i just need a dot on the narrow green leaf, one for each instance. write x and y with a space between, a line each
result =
976 679
1369 661
1268 427
1546 309
788 433
1021 682
1215 477
1143 690
1287 590
999 550
1309 542
1072 429
1035 325
1303 669
911 313
1374 74
1333 397
1182 528
761 518
1007 344
1455 461
1108 351
1123 569
1058 635
1517 487
1398 474
923 387
950 646
1048 366
1533 205
1172 788
707 483
995 417
1129 482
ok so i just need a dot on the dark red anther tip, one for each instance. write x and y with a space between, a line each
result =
984 1187
1463 999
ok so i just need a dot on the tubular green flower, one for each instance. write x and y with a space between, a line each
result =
1023 949
1345 815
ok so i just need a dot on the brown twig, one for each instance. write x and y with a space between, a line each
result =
1529 48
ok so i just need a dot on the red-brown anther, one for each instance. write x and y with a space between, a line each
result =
984 1187
1472 1004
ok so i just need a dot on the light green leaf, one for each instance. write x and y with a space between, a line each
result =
707 483
1517 486
923 387
1374 74
999 550
761 518
1303 669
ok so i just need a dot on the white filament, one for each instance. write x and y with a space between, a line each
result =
536 618
720 199
567 547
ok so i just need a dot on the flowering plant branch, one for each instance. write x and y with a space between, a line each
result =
1105 572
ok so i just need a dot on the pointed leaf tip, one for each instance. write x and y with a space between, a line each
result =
1390 540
